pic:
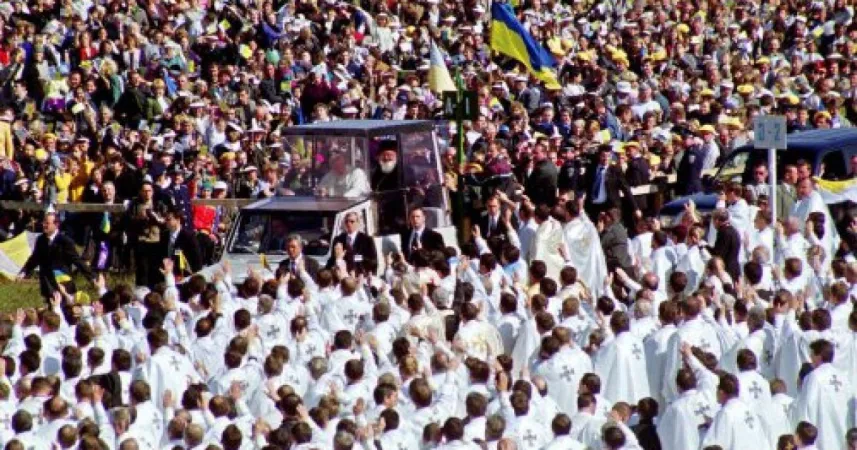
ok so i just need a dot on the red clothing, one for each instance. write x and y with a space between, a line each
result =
203 218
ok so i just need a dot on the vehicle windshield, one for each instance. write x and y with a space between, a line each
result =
739 165
327 165
267 232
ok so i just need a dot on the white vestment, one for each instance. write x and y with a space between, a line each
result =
826 400
736 427
585 253
621 364
354 183
549 237
696 332
166 370
814 203
656 346
679 425
481 339
563 373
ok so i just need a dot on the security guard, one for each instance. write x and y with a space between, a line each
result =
689 179
179 196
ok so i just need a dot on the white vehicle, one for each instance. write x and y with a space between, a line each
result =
335 170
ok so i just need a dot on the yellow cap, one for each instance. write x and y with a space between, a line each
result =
228 156
745 89
683 28
631 144
706 129
821 115
763 60
707 93
584 56
41 154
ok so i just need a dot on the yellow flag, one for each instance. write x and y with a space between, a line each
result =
182 262
263 259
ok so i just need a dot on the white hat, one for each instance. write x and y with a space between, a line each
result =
221 186
349 110
250 168
623 87
235 127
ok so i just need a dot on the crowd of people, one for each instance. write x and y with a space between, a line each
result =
566 316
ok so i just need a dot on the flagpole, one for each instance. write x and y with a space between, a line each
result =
459 85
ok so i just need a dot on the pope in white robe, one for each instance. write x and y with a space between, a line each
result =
621 364
585 253
549 238
826 400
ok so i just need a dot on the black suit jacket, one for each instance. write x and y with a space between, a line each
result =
187 243
429 240
541 184
310 265
59 255
727 246
500 230
614 183
362 250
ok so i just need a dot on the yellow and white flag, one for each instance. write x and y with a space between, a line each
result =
837 191
439 78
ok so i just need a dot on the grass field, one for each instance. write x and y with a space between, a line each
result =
25 294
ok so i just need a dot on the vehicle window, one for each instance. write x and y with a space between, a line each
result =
269 232
422 174
333 164
734 167
833 166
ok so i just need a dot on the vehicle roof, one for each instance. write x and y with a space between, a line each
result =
303 204
360 128
820 140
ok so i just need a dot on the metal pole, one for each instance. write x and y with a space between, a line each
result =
772 171
459 117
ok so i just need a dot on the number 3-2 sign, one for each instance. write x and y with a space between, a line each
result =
769 132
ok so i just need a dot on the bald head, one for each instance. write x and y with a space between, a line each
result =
507 444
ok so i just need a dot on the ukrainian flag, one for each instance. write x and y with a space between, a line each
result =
61 276
105 223
836 191
510 38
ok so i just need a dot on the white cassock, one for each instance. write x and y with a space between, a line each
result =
354 183
759 238
845 357
480 339
696 332
585 253
792 353
826 400
621 364
693 265
656 346
509 328
679 426
526 345
529 433
762 343
640 247
814 203
549 237
586 428
755 392
663 260
736 427
565 443
563 373
167 370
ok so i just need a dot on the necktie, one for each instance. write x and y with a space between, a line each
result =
596 188
492 225
294 267
415 242
350 242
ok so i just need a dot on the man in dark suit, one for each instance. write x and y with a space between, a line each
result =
54 254
541 182
179 241
295 250
728 243
605 182
492 223
418 236
614 240
359 247
637 173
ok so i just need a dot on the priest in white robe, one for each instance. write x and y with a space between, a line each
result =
584 251
810 201
546 245
736 426
621 364
680 425
562 369
826 398
694 331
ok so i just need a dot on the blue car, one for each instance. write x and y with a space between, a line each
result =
827 151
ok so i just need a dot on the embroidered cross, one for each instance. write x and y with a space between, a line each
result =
274 331
310 349
567 373
175 363
704 344
749 420
769 357
530 438
350 316
636 351
756 390
702 409
834 381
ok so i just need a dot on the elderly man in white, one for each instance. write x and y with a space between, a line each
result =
342 180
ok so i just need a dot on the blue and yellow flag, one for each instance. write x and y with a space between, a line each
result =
105 223
61 276
510 38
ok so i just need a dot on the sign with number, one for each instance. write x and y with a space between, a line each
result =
769 132
465 109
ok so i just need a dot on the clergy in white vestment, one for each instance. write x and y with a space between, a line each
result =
755 392
680 425
761 235
694 331
561 427
528 432
736 426
586 424
621 363
656 347
739 211
810 201
826 398
584 250
694 260
562 368
166 369
481 339
547 242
